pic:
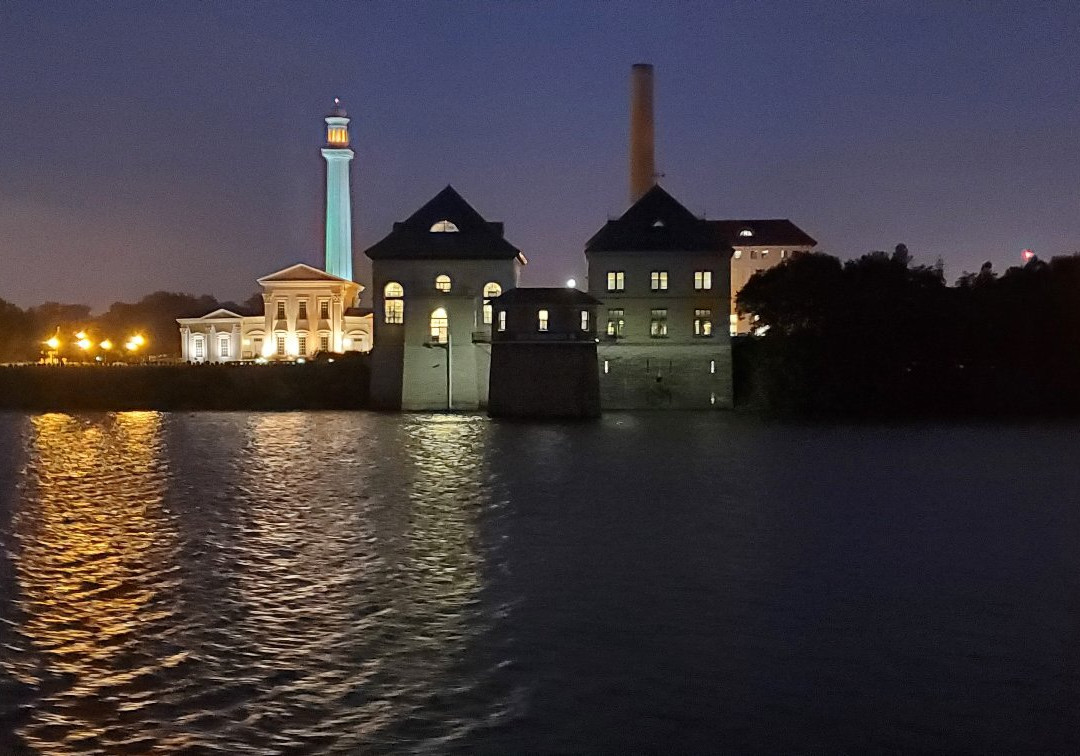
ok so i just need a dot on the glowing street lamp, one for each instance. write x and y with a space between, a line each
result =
106 345
84 343
53 343
138 340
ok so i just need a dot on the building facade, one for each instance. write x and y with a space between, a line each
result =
434 275
665 289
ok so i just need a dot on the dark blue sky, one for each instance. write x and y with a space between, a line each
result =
175 145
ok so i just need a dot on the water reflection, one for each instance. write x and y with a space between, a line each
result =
92 564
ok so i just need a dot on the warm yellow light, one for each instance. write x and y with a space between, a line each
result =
131 346
138 339
80 335
106 344
53 343
84 343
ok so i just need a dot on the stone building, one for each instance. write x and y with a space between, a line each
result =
665 287
543 354
434 275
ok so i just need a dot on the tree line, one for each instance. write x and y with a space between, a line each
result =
879 335
23 332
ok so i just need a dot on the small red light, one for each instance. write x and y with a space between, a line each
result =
1027 255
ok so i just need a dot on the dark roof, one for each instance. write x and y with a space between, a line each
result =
655 223
771 232
358 311
475 239
558 295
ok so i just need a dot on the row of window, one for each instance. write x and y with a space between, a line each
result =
658 280
302 313
658 323
225 346
394 292
764 253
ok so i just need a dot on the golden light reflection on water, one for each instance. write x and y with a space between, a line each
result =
91 542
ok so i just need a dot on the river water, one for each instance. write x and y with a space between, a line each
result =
243 583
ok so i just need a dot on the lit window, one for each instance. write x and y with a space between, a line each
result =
606 367
198 347
324 343
442 283
746 232
440 326
301 344
393 289
783 254
753 254
658 324
280 310
616 280
703 323
281 346
738 254
395 311
542 320
712 367
584 320
491 290
658 280
702 280
443 227
303 311
658 223
502 320
223 346
764 253
615 323
324 310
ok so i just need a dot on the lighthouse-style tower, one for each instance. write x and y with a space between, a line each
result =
338 205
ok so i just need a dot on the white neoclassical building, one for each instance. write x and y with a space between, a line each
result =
305 311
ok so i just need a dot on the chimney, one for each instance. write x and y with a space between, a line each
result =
642 166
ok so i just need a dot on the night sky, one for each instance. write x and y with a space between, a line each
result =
175 146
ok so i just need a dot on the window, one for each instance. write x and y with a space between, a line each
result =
223 346
764 253
502 320
442 283
280 346
584 320
324 310
783 254
443 227
658 324
257 343
541 320
324 343
198 347
702 280
738 254
395 311
606 367
303 311
393 305
301 345
491 290
753 254
280 310
712 367
703 322
615 323
746 232
658 280
440 326
616 280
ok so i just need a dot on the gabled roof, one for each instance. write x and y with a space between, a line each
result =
219 314
555 295
475 238
302 272
655 223
767 232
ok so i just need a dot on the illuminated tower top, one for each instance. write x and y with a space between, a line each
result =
337 127
338 205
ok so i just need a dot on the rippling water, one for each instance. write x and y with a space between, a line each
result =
345 582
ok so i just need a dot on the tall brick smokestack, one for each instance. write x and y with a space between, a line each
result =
642 164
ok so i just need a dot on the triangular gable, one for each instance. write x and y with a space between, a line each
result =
656 222
302 272
220 314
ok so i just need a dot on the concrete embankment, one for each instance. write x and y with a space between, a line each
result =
337 385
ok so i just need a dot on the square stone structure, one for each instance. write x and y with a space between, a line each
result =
665 283
543 355
434 275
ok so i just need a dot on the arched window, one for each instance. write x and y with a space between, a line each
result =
443 227
747 232
393 304
442 283
491 290
440 326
